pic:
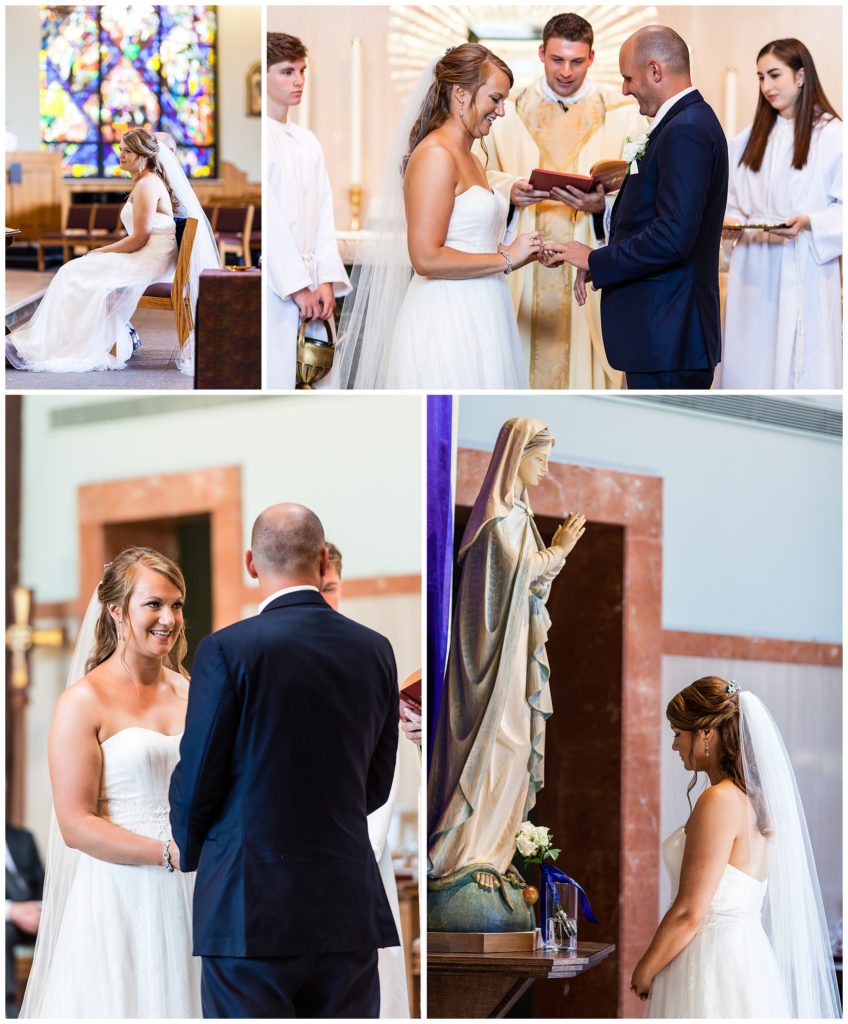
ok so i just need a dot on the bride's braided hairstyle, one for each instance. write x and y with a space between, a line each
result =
708 703
116 588
145 144
466 65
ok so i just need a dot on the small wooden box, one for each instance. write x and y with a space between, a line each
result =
483 942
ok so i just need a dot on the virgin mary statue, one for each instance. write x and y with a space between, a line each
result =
489 748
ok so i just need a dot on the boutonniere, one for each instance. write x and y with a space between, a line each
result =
634 149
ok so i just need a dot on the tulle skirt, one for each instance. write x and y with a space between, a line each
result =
124 948
728 970
457 335
86 308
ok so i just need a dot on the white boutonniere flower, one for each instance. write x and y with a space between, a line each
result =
634 149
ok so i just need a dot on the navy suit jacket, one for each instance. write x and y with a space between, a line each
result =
659 272
290 742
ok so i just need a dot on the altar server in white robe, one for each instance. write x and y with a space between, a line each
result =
783 322
561 122
305 270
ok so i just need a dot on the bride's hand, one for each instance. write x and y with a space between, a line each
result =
174 851
525 249
640 983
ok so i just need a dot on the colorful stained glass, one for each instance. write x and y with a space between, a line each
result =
107 69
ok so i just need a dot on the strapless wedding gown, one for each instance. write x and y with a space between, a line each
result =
124 943
461 334
88 304
729 969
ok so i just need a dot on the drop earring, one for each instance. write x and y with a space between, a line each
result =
461 105
707 747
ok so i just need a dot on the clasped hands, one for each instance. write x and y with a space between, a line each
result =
315 305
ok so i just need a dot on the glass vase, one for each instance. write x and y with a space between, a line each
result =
561 928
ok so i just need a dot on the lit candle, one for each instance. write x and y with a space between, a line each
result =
356 111
303 109
730 100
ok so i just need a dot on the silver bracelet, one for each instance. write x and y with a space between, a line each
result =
505 253
166 855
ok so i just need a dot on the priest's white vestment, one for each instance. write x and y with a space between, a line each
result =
562 341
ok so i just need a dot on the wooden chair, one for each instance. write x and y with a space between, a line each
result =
174 295
232 231
211 214
255 236
78 221
106 226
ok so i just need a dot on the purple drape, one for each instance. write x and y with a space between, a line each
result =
439 548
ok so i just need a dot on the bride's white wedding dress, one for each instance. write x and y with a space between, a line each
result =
88 304
729 969
456 334
123 948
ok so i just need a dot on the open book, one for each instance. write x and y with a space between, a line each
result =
609 173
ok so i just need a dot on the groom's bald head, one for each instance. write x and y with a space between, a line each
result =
287 542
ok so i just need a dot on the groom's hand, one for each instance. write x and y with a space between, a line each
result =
522 194
581 279
585 202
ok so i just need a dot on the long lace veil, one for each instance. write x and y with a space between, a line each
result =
382 270
204 254
793 914
61 864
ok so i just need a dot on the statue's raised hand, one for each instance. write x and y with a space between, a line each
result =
569 532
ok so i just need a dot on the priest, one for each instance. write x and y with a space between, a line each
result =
305 269
560 122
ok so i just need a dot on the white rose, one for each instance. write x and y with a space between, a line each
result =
634 148
542 834
526 846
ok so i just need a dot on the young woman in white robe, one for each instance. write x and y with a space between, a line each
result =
304 267
783 325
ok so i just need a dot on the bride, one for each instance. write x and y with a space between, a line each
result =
115 935
82 323
745 935
452 325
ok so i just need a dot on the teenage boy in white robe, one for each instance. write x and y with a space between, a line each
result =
305 270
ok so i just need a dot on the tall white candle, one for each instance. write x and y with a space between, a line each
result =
730 100
356 111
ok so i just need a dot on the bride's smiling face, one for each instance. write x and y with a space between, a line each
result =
155 614
488 104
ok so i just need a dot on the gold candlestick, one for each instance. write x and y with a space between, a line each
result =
355 207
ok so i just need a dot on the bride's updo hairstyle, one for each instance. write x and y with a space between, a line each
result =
116 588
145 144
707 704
467 65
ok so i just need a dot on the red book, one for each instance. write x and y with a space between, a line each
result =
410 692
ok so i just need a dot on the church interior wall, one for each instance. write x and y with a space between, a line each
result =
731 492
719 37
239 46
337 446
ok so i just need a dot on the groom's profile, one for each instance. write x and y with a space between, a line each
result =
290 741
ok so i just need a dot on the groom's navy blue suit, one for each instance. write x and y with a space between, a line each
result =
290 741
659 272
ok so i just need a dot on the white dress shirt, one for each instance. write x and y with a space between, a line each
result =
286 590
669 103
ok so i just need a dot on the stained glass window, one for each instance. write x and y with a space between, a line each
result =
114 67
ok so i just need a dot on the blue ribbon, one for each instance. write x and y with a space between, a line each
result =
551 874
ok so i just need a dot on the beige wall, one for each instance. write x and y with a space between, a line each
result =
718 37
239 45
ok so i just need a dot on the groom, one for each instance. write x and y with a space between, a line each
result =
290 742
659 272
